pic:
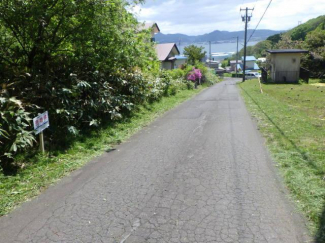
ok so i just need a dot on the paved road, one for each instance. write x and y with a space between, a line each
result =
198 174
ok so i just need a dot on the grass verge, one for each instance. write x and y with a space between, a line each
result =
44 170
292 119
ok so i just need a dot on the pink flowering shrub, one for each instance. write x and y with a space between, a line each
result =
194 75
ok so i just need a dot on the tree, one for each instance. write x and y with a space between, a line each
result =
274 38
315 60
225 63
286 42
81 60
194 53
259 50
315 41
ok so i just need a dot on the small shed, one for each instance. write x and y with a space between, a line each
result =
167 53
285 65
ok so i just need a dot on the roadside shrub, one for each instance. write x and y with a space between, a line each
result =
165 79
189 84
211 78
208 74
15 134
177 73
155 88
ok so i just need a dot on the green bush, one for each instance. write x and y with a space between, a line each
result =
15 134
177 73
211 78
208 75
238 75
83 62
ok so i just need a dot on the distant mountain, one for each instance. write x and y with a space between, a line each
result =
215 36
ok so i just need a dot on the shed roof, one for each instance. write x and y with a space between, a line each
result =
179 57
249 58
287 51
163 50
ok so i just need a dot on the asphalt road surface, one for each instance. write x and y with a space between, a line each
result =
200 173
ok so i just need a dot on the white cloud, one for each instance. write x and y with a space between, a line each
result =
195 17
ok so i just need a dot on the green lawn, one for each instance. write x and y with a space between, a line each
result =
292 119
42 171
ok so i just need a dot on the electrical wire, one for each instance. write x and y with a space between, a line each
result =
255 4
260 20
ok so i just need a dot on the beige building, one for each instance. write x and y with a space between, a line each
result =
285 65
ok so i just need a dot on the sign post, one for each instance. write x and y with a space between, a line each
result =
41 122
41 142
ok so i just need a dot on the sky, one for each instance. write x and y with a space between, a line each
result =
196 17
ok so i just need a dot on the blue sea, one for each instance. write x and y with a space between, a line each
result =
219 51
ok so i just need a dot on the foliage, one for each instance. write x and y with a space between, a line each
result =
315 60
14 133
315 41
83 61
274 39
194 75
286 42
177 73
258 50
194 54
300 32
225 63
249 52
208 75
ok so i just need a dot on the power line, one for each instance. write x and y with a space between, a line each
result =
260 20
255 4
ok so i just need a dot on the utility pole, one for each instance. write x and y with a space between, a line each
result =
209 54
236 58
245 19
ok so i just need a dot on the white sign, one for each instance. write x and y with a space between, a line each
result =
41 122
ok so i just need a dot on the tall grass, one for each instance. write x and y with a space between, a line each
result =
292 119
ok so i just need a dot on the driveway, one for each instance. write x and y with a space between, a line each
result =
200 173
